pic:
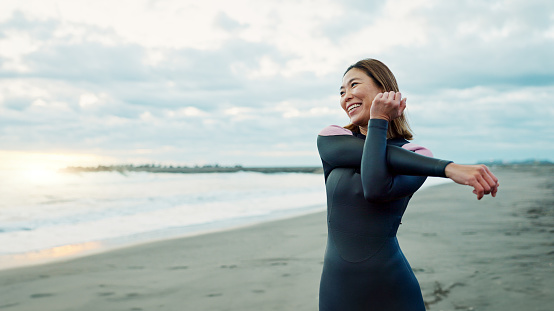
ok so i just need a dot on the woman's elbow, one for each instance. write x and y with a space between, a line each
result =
376 195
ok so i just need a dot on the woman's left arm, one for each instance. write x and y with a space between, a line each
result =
378 182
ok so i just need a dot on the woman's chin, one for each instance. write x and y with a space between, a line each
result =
359 122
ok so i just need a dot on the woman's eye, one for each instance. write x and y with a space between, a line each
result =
341 93
354 84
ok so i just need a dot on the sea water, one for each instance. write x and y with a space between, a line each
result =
61 214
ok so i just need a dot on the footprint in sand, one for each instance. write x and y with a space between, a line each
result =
41 295
106 294
8 305
229 267
178 268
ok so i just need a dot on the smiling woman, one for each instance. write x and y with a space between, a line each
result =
375 79
371 172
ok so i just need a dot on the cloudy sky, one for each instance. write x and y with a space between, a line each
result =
253 82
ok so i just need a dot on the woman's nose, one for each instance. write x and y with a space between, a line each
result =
347 95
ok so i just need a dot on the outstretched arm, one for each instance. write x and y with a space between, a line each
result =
404 162
346 150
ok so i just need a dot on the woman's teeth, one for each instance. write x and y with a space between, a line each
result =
353 107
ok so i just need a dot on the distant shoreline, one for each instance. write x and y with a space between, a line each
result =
191 170
157 168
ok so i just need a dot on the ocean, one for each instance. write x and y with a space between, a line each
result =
49 215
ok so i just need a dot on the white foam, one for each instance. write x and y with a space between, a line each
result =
80 209
100 206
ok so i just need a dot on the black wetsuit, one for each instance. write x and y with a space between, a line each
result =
368 189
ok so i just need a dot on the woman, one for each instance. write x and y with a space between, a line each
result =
371 172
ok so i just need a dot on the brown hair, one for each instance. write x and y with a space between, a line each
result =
385 80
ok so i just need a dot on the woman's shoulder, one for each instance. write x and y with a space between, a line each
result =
405 144
418 149
334 130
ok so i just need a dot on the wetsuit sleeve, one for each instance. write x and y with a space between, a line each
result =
340 150
402 161
382 164
347 151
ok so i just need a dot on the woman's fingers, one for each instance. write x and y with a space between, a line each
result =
388 97
481 186
492 180
478 189
488 180
479 177
387 105
397 96
473 180
494 190
484 181
402 106
394 96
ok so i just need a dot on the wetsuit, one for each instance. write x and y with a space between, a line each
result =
369 181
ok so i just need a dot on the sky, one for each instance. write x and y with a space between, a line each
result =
253 82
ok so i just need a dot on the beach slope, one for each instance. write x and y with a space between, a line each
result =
493 254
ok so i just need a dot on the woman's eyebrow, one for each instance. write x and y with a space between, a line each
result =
349 81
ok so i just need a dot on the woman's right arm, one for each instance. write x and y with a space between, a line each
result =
346 151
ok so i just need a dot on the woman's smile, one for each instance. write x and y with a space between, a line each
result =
356 95
352 107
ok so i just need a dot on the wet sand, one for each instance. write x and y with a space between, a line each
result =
493 254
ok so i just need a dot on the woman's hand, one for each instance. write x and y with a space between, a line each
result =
478 176
387 106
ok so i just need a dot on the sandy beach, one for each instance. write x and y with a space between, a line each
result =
493 254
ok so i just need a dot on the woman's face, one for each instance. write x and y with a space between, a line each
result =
356 95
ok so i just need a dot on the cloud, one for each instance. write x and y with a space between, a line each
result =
482 123
244 81
227 23
500 43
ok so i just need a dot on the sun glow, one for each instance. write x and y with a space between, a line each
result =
43 167
41 175
50 254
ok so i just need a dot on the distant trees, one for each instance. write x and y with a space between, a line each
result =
208 168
